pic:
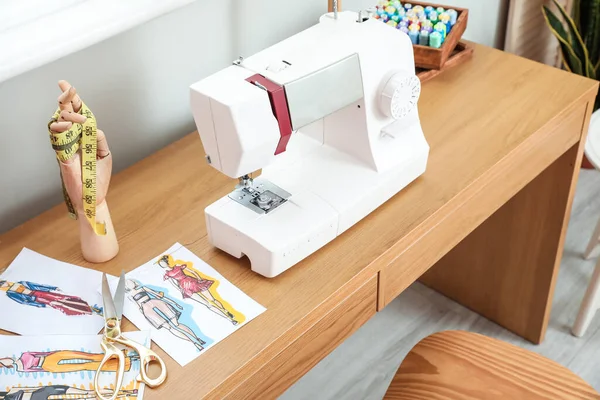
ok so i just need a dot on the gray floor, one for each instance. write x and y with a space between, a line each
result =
363 366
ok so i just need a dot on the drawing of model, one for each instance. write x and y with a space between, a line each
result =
161 311
59 392
37 295
63 361
193 286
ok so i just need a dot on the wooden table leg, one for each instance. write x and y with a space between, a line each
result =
506 269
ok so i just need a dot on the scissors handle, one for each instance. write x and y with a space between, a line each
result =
110 352
146 357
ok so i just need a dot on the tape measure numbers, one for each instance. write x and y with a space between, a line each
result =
66 144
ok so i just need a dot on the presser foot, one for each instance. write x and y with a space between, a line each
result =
261 196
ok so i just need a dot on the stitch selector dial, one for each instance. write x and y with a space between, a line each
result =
400 94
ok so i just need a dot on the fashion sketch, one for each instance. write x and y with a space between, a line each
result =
59 392
161 311
42 296
63 361
193 286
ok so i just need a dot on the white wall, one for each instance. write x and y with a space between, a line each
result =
137 85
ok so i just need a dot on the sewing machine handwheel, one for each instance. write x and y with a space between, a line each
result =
400 94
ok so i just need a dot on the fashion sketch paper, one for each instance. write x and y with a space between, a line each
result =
40 295
53 367
187 304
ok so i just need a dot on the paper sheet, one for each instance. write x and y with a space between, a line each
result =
187 304
38 367
40 295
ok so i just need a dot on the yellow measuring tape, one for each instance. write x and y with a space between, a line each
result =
66 144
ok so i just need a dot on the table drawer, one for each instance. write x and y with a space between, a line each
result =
312 346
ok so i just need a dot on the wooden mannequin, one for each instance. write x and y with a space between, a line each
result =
95 248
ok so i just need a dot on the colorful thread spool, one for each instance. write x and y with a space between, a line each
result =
397 4
391 10
403 23
441 28
440 10
392 23
435 40
424 38
413 34
407 6
410 13
433 17
385 17
453 16
396 18
444 17
428 10
404 29
418 10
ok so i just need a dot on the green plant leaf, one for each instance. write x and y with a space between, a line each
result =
577 42
570 59
581 16
593 32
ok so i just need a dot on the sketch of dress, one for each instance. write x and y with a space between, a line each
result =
193 286
39 295
59 392
63 361
161 312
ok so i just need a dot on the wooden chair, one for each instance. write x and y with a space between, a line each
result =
464 365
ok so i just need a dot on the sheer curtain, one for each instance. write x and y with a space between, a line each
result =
527 34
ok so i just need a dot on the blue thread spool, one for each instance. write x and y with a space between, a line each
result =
453 16
440 10
380 11
424 38
428 10
435 40
413 34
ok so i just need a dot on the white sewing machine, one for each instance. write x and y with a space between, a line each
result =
330 116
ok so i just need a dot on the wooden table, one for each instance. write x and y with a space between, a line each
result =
485 225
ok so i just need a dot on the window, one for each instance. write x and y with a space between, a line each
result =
34 32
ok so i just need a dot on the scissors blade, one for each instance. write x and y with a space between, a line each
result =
107 300
120 296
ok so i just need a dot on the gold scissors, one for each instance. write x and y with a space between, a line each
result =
113 311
